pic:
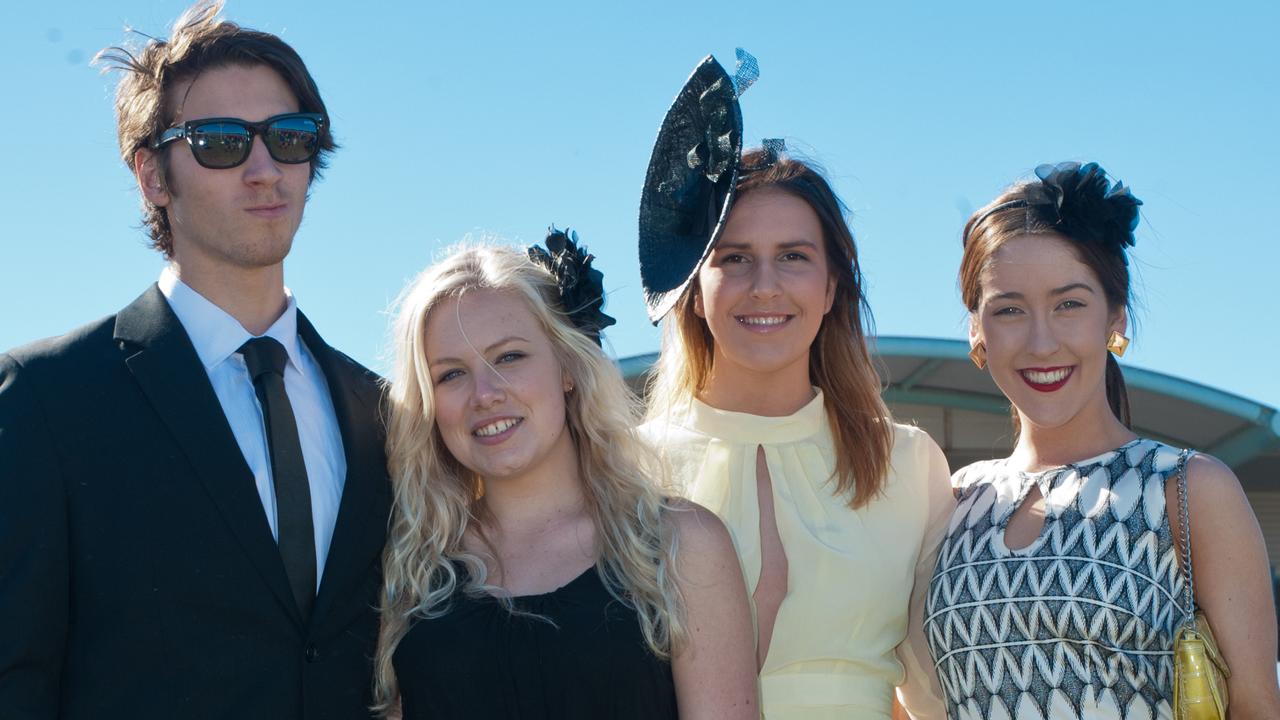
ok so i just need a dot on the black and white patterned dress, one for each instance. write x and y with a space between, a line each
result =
1078 624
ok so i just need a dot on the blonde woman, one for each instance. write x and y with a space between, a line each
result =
767 404
534 568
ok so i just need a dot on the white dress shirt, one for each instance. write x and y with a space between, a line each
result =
217 337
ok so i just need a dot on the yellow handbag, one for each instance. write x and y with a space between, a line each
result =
1199 671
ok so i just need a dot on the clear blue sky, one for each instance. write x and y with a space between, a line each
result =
501 118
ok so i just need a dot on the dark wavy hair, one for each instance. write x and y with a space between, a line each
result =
145 100
1073 202
839 363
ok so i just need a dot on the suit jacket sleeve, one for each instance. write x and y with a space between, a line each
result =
34 564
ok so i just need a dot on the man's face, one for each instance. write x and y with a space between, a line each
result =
243 217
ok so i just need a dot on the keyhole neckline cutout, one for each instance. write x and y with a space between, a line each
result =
1047 482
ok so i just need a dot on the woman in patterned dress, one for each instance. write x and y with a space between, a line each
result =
1058 588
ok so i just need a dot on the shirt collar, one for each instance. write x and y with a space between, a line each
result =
217 335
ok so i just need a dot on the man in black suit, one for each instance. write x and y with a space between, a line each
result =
193 492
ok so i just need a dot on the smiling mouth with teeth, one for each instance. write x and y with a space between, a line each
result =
1046 379
497 427
763 319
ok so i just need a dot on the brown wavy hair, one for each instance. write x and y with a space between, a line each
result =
145 99
839 363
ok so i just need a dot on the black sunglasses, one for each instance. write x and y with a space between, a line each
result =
221 143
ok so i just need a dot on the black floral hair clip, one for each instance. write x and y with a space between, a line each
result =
581 287
1088 206
1082 203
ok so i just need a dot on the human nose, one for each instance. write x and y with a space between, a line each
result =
1043 340
260 168
764 281
488 388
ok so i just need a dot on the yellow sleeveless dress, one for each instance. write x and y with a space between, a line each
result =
850 628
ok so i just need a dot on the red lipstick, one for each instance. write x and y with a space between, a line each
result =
1047 380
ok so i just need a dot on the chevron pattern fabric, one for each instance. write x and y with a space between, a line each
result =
1078 624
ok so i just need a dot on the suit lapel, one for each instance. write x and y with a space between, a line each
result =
167 369
361 528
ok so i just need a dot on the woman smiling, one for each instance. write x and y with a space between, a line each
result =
1063 580
766 401
534 567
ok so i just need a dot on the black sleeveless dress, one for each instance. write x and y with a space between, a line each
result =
480 661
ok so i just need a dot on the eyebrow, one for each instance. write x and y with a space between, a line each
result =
789 245
486 351
1056 291
1071 286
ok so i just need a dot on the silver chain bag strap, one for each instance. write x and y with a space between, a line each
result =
1199 671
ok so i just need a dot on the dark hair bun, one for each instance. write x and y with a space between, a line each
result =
1088 207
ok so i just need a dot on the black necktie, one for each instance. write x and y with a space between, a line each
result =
266 359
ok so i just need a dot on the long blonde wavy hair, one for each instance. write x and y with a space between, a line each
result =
436 499
839 363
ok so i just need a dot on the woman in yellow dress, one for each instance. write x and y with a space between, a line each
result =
766 403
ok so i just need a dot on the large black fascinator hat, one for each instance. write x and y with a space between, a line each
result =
580 286
689 185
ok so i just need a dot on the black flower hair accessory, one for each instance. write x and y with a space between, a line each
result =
1087 206
581 286
1080 202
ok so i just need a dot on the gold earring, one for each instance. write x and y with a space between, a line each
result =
979 355
1117 343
